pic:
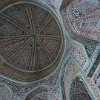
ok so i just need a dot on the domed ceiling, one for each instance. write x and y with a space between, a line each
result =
30 38
38 36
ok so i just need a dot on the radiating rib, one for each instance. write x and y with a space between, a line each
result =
12 43
19 50
45 50
4 38
32 65
46 21
30 17
14 22
57 38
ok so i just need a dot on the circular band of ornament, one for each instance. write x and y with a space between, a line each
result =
31 41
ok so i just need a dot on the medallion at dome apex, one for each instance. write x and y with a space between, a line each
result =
30 37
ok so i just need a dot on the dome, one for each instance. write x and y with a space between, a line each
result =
31 40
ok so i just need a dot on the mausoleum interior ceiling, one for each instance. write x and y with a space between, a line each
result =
49 50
